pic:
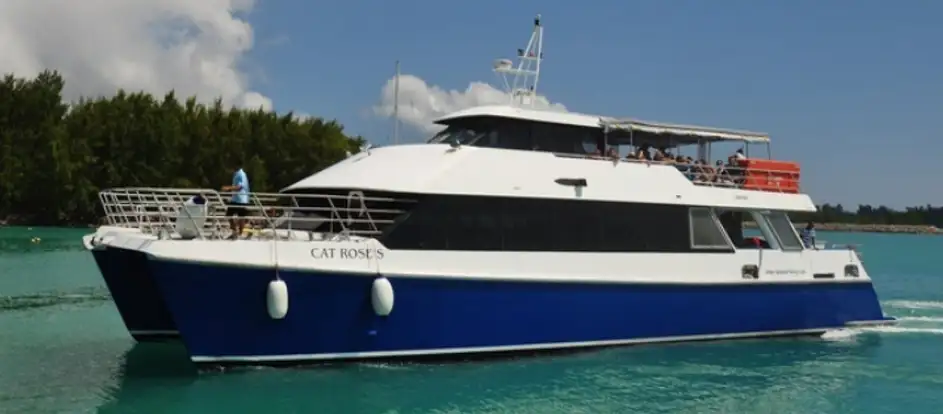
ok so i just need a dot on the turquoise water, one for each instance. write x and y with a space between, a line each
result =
64 349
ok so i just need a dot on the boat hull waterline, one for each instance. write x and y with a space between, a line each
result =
331 317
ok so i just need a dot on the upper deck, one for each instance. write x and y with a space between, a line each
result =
520 125
577 135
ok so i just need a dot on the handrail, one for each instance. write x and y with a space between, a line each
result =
744 178
178 212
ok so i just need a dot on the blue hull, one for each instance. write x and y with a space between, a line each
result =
135 294
221 314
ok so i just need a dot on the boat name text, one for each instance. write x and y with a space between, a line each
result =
786 272
351 253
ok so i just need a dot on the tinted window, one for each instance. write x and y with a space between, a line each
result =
520 224
512 134
705 231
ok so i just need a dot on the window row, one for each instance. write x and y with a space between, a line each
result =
523 224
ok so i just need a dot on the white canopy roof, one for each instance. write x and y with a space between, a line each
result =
682 133
642 131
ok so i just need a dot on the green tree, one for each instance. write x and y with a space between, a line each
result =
55 157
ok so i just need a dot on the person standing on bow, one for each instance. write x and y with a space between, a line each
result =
239 204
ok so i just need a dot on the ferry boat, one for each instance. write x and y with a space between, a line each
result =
512 230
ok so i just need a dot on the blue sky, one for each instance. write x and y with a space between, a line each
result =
847 88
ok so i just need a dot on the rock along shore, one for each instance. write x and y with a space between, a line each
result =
868 228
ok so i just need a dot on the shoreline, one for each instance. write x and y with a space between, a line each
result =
867 228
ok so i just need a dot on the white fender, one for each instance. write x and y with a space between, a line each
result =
277 299
382 296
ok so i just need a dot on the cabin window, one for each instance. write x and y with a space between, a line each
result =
460 134
785 231
706 231
506 133
476 223
566 139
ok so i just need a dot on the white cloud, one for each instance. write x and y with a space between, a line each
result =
421 103
191 46
301 116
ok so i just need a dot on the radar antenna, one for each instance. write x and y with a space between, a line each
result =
523 86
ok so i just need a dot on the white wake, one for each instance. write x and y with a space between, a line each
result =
914 317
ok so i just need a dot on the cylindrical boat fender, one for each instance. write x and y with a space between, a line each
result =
277 299
381 296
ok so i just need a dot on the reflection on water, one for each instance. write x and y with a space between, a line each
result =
150 376
772 376
80 296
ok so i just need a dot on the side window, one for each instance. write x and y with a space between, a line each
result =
522 224
706 232
785 232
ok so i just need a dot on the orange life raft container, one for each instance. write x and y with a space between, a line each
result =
770 175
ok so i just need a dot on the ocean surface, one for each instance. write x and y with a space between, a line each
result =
63 349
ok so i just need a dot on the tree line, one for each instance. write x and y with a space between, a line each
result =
56 156
867 214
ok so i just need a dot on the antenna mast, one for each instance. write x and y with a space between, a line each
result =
523 88
396 106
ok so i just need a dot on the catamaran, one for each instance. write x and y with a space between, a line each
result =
513 229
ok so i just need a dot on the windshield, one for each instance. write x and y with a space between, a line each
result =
519 135
464 136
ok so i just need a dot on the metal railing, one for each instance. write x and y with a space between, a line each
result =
202 213
722 176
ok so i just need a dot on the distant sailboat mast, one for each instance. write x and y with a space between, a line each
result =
396 106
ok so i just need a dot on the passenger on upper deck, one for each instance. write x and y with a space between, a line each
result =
662 154
643 152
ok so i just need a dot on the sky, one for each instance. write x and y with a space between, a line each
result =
850 89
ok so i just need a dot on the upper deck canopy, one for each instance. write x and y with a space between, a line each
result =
682 134
621 130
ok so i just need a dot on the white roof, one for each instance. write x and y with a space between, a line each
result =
594 121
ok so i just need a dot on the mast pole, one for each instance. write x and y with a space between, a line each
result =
396 106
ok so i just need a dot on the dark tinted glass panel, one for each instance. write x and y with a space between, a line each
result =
520 224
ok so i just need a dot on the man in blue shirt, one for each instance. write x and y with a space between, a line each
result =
238 205
808 236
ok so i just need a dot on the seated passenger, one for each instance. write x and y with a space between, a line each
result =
643 152
659 156
612 152
668 156
686 166
704 170
739 155
721 175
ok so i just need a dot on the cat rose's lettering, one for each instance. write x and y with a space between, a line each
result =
345 253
